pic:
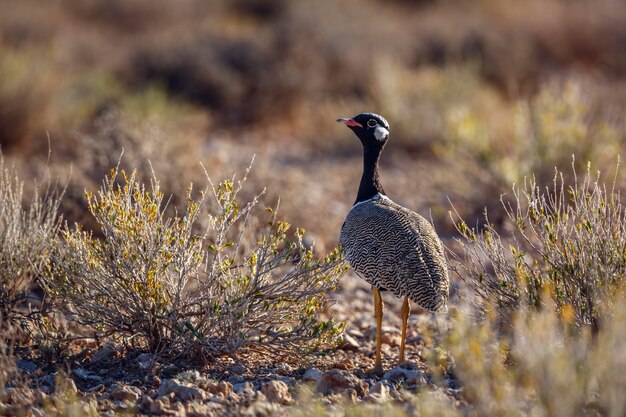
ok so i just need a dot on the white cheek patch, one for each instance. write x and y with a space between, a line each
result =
380 133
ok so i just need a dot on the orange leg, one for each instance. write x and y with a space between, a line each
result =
406 311
378 312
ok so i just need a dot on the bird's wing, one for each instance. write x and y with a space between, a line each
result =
397 249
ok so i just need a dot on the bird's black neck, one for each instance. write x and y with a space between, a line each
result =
370 181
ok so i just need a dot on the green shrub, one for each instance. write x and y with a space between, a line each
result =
567 240
27 235
239 285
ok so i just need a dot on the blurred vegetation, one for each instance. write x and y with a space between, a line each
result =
486 91
480 95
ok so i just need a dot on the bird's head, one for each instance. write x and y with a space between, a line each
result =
371 128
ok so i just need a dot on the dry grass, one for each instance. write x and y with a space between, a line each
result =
27 236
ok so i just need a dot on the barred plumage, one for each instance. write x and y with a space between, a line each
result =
390 246
397 250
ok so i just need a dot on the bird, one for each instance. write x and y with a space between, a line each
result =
389 246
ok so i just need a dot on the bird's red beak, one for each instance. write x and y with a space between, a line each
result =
349 122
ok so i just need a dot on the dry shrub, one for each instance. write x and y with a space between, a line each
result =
238 286
567 240
8 370
27 235
542 369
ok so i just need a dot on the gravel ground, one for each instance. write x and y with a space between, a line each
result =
107 381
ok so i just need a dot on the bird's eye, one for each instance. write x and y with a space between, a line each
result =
372 123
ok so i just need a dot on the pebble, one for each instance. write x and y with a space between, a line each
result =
400 373
184 392
125 393
420 378
245 389
355 333
346 364
87 376
337 381
391 339
237 369
277 392
378 393
160 406
201 410
349 343
312 374
103 354
222 388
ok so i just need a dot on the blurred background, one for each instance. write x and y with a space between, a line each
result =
479 95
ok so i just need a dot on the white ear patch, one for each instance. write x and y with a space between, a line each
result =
380 133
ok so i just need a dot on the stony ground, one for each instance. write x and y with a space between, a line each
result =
136 383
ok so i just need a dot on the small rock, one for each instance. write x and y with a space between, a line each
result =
408 365
236 379
125 393
184 392
201 410
420 378
399 373
378 393
97 388
355 333
261 407
287 380
277 392
336 381
26 366
177 409
284 368
144 357
349 343
164 407
146 402
345 364
87 376
312 374
245 389
160 406
389 329
238 369
103 354
391 339
222 388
